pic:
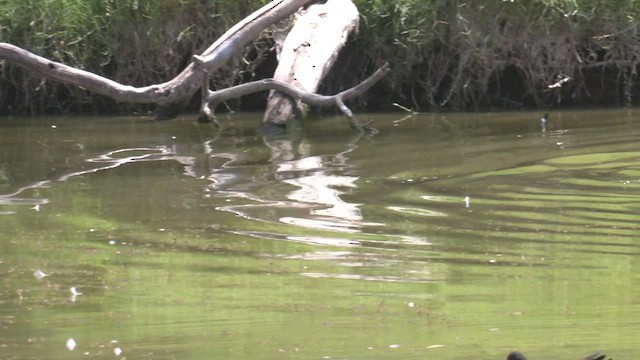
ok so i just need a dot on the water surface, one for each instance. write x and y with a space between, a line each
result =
449 236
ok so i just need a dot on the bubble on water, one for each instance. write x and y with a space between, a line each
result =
74 293
39 274
71 344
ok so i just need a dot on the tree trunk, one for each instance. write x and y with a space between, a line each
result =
308 53
171 96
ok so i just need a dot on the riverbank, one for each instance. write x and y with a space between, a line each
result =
445 54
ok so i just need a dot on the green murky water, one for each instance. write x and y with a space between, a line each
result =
445 236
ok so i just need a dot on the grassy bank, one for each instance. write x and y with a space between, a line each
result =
445 54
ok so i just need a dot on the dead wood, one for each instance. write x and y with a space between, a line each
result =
173 94
308 53
211 98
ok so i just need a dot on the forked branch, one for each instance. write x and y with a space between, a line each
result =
174 93
213 98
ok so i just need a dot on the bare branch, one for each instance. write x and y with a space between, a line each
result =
81 78
171 92
215 97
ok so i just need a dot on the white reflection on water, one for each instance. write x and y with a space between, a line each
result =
416 211
310 240
317 185
109 160
324 241
322 188
120 157
368 277
13 199
323 255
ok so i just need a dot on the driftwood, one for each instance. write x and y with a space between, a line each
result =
308 52
171 96
211 98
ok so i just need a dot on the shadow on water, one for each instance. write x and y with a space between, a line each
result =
449 235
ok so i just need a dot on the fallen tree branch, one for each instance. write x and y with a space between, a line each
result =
173 92
215 97
171 96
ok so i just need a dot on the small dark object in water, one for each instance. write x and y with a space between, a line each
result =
516 355
544 119
596 356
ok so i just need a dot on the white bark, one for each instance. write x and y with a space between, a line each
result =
308 53
173 92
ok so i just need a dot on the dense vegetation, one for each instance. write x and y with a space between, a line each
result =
450 54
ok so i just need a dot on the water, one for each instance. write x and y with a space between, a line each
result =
449 236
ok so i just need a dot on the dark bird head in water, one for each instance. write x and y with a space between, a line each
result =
516 355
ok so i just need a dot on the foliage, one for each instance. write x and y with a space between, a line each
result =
136 42
445 54
488 53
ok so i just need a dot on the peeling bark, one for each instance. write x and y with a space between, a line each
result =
308 53
171 96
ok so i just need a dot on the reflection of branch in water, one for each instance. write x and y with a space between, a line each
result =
317 183
107 161
321 187
118 158
12 199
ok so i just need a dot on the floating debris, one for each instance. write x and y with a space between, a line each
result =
39 274
394 346
434 346
74 293
543 122
117 351
466 202
71 344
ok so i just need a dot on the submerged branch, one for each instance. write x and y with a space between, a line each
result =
215 97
